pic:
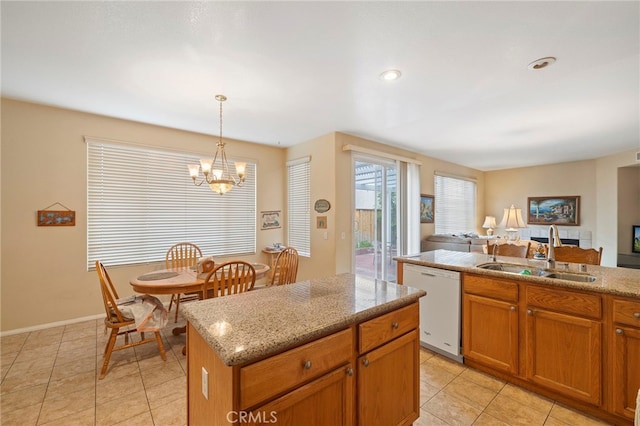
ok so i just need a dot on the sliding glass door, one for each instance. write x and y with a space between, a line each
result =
375 217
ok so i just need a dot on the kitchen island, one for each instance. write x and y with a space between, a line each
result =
312 352
576 340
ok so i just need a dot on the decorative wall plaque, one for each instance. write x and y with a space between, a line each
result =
322 206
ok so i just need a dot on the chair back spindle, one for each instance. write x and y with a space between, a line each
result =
578 255
507 249
228 278
286 267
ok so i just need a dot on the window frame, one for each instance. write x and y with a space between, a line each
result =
299 205
141 200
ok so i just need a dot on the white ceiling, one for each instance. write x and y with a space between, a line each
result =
294 71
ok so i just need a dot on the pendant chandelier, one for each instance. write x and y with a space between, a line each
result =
216 172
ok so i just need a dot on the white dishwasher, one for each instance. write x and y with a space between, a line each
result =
439 309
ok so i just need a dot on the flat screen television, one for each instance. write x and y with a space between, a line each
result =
636 239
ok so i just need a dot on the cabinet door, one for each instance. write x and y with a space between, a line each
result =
327 400
564 354
388 383
626 370
490 332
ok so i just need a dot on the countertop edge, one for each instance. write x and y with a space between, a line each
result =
598 271
232 357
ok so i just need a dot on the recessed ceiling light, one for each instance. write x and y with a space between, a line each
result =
541 63
390 75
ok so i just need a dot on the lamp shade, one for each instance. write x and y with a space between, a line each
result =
489 222
512 218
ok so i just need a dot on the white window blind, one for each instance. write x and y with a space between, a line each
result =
299 205
455 205
140 201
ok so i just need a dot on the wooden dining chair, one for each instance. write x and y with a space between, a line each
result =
229 278
286 267
182 255
507 249
118 323
578 255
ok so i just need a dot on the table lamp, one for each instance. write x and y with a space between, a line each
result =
489 224
512 220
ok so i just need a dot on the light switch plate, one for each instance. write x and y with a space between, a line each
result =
205 383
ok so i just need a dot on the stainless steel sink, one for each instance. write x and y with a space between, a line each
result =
571 277
513 268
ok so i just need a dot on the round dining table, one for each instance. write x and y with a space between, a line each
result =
179 281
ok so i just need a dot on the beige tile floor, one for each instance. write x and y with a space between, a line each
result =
49 377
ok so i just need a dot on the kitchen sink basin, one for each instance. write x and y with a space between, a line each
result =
513 268
571 277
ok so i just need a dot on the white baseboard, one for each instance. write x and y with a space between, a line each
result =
56 324
50 325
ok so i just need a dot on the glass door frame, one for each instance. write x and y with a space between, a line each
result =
384 171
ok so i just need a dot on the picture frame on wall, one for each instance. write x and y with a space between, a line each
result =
635 245
564 210
270 219
427 208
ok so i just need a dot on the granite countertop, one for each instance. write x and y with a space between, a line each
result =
617 281
245 327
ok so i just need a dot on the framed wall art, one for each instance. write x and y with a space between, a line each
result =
554 210
48 217
427 208
270 219
635 247
321 222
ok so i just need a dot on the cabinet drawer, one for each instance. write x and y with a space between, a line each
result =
626 312
569 302
494 288
272 376
387 327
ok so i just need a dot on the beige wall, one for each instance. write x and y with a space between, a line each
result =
514 186
44 278
628 212
323 177
607 184
598 184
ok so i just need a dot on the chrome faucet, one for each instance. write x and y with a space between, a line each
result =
551 253
494 252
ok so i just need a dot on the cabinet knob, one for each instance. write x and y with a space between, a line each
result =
349 371
365 362
512 308
395 325
636 315
529 312
307 365
619 331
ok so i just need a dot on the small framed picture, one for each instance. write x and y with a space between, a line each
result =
321 222
270 219
636 239
56 218
426 208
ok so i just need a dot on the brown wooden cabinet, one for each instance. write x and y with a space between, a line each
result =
490 322
563 342
388 368
626 356
327 400
315 383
